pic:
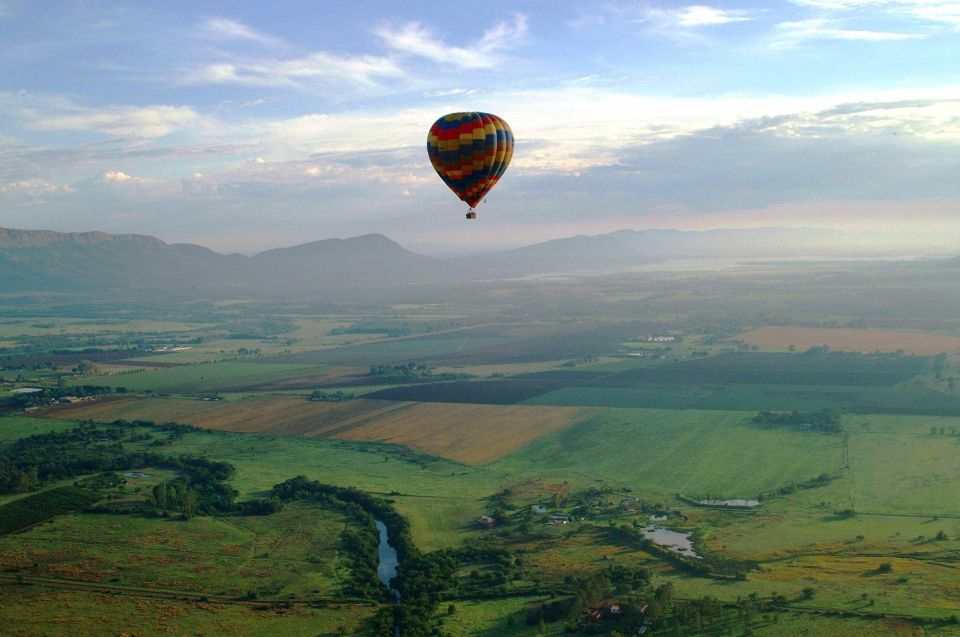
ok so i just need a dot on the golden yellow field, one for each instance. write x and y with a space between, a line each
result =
473 434
851 340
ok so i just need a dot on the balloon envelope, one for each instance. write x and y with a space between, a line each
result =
470 152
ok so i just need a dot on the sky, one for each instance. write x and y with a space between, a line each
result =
244 125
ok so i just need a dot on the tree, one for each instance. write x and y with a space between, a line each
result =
809 592
189 504
86 368
160 495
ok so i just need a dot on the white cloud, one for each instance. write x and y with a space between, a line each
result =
224 28
119 177
319 67
840 5
415 39
33 188
451 92
700 15
124 121
946 12
927 10
791 34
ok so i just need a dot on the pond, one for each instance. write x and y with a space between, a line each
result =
387 559
731 503
673 540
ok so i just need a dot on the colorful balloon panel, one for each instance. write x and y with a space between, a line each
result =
470 152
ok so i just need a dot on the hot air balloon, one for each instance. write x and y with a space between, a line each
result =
470 152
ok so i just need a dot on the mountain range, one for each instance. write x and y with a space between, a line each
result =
43 260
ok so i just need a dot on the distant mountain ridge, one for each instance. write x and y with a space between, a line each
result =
44 260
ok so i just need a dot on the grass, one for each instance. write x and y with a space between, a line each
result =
34 610
194 379
900 399
441 498
919 473
289 554
14 427
489 618
692 452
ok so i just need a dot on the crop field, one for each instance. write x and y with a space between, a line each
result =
473 434
561 342
407 348
492 392
192 379
267 413
903 399
833 369
64 325
851 340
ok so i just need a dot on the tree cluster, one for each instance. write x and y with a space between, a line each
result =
418 371
825 420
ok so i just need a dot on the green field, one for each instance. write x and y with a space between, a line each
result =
903 399
691 452
292 554
13 427
192 379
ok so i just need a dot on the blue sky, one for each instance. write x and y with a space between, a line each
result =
249 125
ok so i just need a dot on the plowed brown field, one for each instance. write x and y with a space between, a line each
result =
473 434
851 340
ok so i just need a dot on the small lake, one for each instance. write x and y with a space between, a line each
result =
387 559
673 540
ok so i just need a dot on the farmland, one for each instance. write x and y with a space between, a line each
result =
472 434
602 402
463 432
851 340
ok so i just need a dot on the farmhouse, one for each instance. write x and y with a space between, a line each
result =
557 518
486 522
539 508
607 609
